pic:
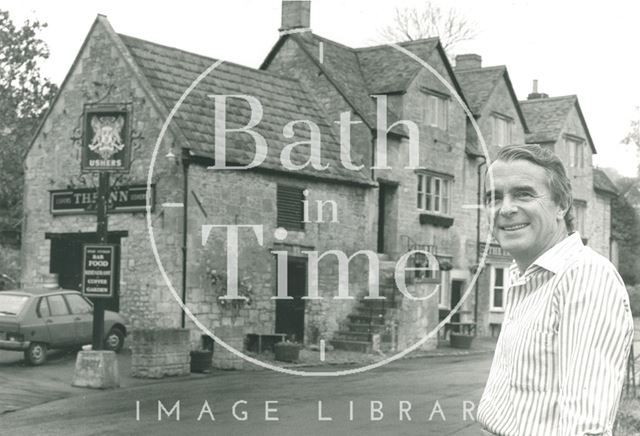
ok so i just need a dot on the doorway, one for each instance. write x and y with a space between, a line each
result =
290 313
66 261
387 219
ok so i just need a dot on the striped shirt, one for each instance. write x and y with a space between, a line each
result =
560 360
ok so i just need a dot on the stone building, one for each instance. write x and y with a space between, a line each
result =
559 124
495 108
409 181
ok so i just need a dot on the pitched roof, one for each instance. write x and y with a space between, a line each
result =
343 68
602 182
359 73
388 70
478 85
547 116
171 71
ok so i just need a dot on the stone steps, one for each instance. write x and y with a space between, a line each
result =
368 315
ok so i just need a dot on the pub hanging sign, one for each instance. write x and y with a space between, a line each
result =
106 139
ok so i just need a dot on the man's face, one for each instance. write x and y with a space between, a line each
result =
527 222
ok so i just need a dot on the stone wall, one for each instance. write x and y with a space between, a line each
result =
159 353
219 203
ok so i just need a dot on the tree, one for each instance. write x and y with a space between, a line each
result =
428 21
625 228
24 98
633 137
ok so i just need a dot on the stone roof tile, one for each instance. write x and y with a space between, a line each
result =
546 117
478 84
602 182
386 69
171 71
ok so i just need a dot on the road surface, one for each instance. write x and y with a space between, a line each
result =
421 396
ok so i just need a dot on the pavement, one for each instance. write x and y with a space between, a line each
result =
24 386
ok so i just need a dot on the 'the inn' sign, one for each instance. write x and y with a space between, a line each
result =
80 201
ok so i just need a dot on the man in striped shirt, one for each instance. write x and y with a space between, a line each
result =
561 356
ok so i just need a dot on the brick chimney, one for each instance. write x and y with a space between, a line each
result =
296 14
468 61
535 94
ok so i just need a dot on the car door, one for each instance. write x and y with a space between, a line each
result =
82 313
60 322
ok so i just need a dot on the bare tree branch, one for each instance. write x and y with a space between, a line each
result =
428 21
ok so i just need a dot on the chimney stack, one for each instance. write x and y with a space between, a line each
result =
296 14
535 94
468 61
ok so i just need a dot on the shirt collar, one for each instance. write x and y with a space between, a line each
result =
555 258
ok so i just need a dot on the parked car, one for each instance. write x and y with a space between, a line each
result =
35 320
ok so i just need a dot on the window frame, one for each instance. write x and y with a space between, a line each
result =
576 148
41 301
444 300
438 115
497 122
434 201
68 298
64 301
503 288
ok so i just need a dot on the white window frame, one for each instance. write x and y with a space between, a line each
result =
434 194
436 111
580 212
502 130
576 148
492 286
444 301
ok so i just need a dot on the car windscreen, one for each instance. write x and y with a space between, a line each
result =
12 304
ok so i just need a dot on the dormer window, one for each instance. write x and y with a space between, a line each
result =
502 130
436 109
576 148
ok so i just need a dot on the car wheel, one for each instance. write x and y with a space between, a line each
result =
36 354
114 340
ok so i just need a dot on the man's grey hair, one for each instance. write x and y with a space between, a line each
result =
558 181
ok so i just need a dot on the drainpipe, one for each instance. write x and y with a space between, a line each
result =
478 216
185 228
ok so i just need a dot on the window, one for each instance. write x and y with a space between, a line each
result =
421 261
435 111
502 130
434 194
12 304
57 306
78 304
289 202
43 308
580 213
499 284
576 148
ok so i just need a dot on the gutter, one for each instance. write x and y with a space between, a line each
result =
479 199
185 158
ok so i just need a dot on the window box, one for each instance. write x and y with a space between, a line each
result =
436 220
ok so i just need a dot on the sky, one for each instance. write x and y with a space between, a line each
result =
571 47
